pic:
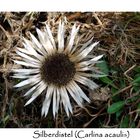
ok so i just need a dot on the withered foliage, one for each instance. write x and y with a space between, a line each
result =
119 36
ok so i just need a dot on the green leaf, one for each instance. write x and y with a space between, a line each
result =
137 69
138 108
136 80
6 119
132 125
132 99
115 107
103 67
115 97
113 90
118 114
108 81
125 122
122 83
136 88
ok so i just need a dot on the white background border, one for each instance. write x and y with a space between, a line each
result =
70 5
66 5
77 134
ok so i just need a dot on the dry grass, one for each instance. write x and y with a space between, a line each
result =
119 36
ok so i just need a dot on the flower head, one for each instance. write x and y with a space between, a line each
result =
56 69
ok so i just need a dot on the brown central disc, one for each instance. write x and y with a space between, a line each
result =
57 69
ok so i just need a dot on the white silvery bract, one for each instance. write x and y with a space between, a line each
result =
56 69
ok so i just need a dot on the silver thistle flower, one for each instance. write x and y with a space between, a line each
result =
56 69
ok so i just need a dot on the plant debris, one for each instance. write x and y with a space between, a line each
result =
119 36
